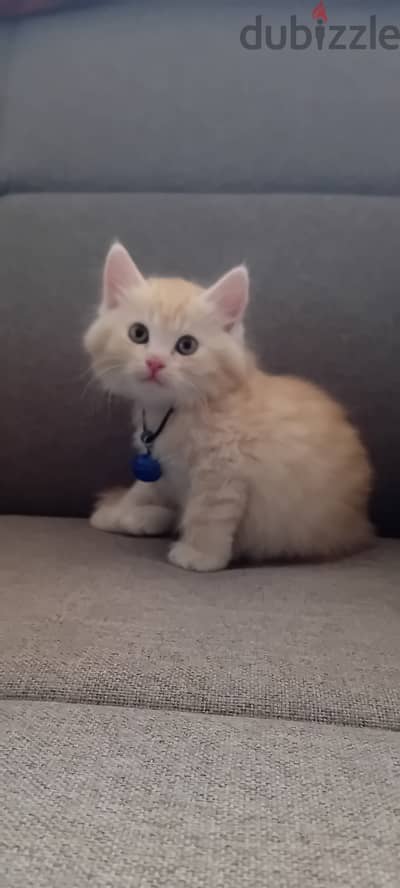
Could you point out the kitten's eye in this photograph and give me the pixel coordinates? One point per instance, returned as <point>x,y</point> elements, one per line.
<point>187,345</point>
<point>138,333</point>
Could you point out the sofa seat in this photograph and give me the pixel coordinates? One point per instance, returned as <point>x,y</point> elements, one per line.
<point>118,796</point>
<point>93,618</point>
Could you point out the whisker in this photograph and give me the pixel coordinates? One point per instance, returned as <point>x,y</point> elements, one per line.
<point>96,378</point>
<point>88,371</point>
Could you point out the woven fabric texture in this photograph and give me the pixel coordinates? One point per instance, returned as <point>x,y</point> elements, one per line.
<point>91,617</point>
<point>113,796</point>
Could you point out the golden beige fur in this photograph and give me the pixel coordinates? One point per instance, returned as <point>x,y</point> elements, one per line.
<point>255,466</point>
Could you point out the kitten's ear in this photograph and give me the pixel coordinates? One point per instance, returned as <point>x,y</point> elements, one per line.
<point>119,275</point>
<point>230,295</point>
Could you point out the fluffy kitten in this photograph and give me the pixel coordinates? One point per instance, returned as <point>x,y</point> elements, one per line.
<point>254,466</point>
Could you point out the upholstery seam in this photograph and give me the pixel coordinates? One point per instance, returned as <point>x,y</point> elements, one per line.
<point>71,700</point>
<point>11,192</point>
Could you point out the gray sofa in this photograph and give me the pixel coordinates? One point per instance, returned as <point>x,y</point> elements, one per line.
<point>161,728</point>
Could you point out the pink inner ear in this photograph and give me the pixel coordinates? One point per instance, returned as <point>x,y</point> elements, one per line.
<point>119,276</point>
<point>230,295</point>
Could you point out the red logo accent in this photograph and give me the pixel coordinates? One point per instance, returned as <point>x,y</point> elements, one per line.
<point>320,12</point>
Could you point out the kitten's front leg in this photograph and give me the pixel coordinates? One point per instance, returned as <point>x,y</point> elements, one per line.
<point>210,520</point>
<point>141,510</point>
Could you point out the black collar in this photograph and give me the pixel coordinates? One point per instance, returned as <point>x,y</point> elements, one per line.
<point>148,437</point>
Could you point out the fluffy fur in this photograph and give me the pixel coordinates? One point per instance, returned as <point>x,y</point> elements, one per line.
<point>254,466</point>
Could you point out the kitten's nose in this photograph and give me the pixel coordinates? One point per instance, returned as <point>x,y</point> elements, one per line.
<point>155,365</point>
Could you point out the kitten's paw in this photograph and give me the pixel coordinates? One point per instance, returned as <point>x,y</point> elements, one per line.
<point>148,521</point>
<point>137,521</point>
<point>105,517</point>
<point>106,511</point>
<point>183,555</point>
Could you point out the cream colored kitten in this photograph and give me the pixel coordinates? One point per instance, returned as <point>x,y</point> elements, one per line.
<point>254,466</point>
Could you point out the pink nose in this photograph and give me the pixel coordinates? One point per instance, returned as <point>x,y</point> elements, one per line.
<point>155,365</point>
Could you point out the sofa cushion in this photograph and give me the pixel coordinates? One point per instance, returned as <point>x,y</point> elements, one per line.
<point>133,799</point>
<point>88,617</point>
<point>154,96</point>
<point>321,307</point>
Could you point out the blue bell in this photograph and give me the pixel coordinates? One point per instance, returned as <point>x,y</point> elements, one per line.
<point>146,468</point>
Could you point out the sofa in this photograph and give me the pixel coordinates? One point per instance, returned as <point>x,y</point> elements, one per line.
<point>161,727</point>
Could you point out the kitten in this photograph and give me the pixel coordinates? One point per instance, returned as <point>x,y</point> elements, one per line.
<point>254,466</point>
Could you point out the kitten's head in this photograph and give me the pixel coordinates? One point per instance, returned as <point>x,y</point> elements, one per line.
<point>165,340</point>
